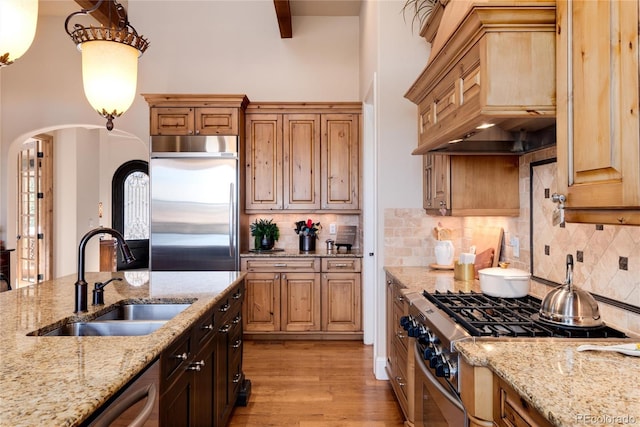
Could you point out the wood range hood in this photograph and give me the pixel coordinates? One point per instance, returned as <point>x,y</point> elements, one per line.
<point>496,68</point>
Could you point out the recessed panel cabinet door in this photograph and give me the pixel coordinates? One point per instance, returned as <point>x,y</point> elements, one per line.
<point>300,296</point>
<point>597,116</point>
<point>301,161</point>
<point>261,308</point>
<point>340,166</point>
<point>264,161</point>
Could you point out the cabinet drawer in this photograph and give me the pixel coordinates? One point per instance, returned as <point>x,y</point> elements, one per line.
<point>511,410</point>
<point>174,359</point>
<point>280,264</point>
<point>340,264</point>
<point>203,329</point>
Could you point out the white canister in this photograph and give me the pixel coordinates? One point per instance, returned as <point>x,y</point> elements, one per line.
<point>444,252</point>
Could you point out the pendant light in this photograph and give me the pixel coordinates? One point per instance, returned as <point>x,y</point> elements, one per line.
<point>109,60</point>
<point>18,21</point>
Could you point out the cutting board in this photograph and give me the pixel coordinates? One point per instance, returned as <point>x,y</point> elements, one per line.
<point>488,237</point>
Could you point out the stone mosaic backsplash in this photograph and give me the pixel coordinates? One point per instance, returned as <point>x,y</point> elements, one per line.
<point>605,250</point>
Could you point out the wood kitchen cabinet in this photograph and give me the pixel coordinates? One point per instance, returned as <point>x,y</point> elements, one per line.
<point>400,359</point>
<point>181,114</point>
<point>201,371</point>
<point>478,76</point>
<point>300,158</point>
<point>303,297</point>
<point>598,126</point>
<point>341,295</point>
<point>460,185</point>
<point>490,401</point>
<point>283,294</point>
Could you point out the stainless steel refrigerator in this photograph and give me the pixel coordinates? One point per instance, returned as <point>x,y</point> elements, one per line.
<point>194,203</point>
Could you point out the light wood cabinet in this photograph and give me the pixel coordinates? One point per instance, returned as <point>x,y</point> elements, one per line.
<point>290,297</point>
<point>300,158</point>
<point>510,409</point>
<point>471,185</point>
<point>182,114</point>
<point>341,295</point>
<point>598,127</point>
<point>478,75</point>
<point>400,358</point>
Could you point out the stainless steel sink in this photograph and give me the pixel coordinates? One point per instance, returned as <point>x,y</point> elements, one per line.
<point>107,328</point>
<point>143,311</point>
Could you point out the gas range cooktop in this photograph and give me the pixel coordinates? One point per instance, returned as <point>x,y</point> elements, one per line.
<point>482,315</point>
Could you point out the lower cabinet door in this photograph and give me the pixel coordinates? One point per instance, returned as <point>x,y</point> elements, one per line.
<point>176,404</point>
<point>341,304</point>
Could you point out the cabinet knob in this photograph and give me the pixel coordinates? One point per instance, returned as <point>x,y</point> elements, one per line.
<point>284,277</point>
<point>196,366</point>
<point>198,132</point>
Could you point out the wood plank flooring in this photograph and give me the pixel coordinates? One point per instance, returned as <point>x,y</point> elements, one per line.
<point>315,384</point>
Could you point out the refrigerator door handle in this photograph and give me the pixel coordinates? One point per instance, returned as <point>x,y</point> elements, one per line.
<point>232,222</point>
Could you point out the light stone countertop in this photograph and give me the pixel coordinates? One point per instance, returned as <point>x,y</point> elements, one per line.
<point>567,387</point>
<point>60,381</point>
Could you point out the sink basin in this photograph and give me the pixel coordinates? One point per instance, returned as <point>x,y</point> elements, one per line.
<point>143,311</point>
<point>107,328</point>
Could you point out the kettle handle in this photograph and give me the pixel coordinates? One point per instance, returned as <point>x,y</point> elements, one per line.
<point>569,279</point>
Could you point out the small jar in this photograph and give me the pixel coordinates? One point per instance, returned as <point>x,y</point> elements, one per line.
<point>329,245</point>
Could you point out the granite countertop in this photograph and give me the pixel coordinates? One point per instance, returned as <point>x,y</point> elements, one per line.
<point>60,381</point>
<point>290,253</point>
<point>567,387</point>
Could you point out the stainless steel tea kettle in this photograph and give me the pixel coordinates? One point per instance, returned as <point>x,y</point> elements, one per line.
<point>567,305</point>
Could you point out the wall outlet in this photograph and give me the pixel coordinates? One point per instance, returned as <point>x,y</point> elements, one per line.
<point>332,229</point>
<point>515,244</point>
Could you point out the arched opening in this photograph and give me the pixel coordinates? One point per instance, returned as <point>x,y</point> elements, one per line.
<point>130,210</point>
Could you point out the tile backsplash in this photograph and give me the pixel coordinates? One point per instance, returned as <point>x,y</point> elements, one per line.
<point>610,255</point>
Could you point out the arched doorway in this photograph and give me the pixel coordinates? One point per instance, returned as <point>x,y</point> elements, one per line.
<point>130,210</point>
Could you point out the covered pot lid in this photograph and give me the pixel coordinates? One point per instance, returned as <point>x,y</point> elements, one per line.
<point>504,272</point>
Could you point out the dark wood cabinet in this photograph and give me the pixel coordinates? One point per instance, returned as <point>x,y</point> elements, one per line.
<point>201,372</point>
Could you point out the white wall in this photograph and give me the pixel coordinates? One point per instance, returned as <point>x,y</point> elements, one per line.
<point>396,56</point>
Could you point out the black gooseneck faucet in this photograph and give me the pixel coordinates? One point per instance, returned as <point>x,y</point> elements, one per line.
<point>81,284</point>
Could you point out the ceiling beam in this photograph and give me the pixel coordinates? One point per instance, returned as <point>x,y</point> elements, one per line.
<point>102,13</point>
<point>283,12</point>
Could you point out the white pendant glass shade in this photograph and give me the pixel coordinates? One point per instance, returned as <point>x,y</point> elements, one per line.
<point>18,21</point>
<point>109,75</point>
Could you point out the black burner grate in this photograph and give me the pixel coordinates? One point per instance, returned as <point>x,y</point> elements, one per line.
<point>484,315</point>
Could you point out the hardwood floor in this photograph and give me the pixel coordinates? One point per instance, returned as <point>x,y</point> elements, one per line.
<point>315,384</point>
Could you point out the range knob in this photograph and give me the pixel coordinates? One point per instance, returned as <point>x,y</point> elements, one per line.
<point>443,369</point>
<point>428,352</point>
<point>405,321</point>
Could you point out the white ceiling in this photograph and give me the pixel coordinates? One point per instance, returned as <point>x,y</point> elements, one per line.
<point>298,7</point>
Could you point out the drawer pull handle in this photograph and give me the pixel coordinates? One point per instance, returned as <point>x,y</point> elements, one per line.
<point>280,264</point>
<point>183,356</point>
<point>341,265</point>
<point>224,329</point>
<point>224,308</point>
<point>236,319</point>
<point>208,327</point>
<point>236,378</point>
<point>196,366</point>
<point>400,383</point>
<point>400,299</point>
<point>237,295</point>
<point>400,335</point>
<point>236,344</point>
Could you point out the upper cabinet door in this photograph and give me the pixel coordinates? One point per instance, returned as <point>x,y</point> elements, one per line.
<point>216,121</point>
<point>263,161</point>
<point>172,121</point>
<point>301,161</point>
<point>597,118</point>
<point>340,161</point>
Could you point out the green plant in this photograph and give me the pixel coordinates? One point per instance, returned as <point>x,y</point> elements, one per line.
<point>419,10</point>
<point>265,228</point>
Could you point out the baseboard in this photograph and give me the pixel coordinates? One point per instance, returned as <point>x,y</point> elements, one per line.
<point>380,370</point>
<point>330,336</point>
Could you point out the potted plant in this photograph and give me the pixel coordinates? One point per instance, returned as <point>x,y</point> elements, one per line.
<point>265,232</point>
<point>419,10</point>
<point>308,232</point>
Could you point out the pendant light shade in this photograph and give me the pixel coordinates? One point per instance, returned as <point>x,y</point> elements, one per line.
<point>109,60</point>
<point>109,75</point>
<point>18,21</point>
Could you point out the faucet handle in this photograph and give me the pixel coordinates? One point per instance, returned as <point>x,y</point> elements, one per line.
<point>98,290</point>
